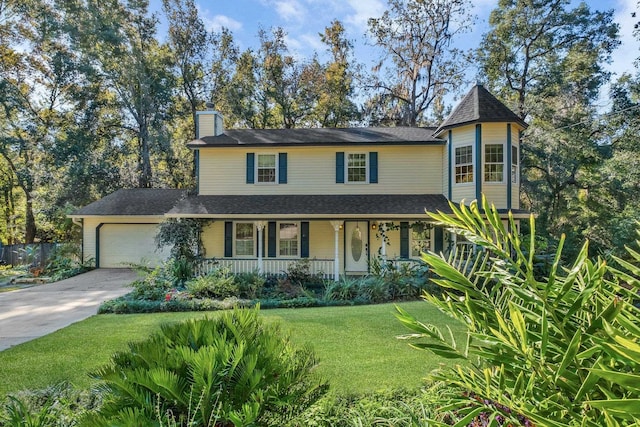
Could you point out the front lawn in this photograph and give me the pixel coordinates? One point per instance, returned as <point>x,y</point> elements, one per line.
<point>356,346</point>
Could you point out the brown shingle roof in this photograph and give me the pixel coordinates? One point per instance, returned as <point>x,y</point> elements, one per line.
<point>320,136</point>
<point>479,105</point>
<point>134,201</point>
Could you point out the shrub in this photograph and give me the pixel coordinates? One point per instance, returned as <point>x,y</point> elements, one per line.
<point>250,285</point>
<point>235,367</point>
<point>58,405</point>
<point>66,261</point>
<point>551,350</point>
<point>155,284</point>
<point>219,283</point>
<point>299,275</point>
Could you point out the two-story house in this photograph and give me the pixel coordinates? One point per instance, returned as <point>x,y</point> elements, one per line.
<point>335,196</point>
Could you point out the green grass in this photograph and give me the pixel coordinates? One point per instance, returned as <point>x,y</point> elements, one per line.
<point>357,346</point>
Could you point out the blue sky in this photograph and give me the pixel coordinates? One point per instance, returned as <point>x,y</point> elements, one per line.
<point>304,19</point>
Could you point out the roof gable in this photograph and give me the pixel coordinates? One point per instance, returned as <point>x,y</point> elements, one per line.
<point>479,106</point>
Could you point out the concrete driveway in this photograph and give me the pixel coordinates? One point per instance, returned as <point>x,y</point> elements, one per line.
<point>30,313</point>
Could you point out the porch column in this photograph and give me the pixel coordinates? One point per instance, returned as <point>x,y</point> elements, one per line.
<point>383,248</point>
<point>336,257</point>
<point>260,226</point>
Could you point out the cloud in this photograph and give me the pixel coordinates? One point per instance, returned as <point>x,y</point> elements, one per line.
<point>363,10</point>
<point>216,22</point>
<point>290,10</point>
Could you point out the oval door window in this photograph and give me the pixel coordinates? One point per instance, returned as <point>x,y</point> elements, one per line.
<point>356,244</point>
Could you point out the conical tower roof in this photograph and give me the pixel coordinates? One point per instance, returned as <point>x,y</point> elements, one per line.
<point>479,106</point>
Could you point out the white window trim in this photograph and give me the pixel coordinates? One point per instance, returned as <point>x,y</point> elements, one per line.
<point>297,223</point>
<point>503,163</point>
<point>517,165</point>
<point>473,164</point>
<point>346,168</point>
<point>411,240</point>
<point>277,167</point>
<point>235,240</point>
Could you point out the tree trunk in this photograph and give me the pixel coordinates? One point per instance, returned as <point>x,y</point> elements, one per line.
<point>29,219</point>
<point>144,158</point>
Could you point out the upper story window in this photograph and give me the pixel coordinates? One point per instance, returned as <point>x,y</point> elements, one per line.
<point>244,239</point>
<point>288,239</point>
<point>357,167</point>
<point>494,163</point>
<point>266,168</point>
<point>420,239</point>
<point>514,164</point>
<point>464,164</point>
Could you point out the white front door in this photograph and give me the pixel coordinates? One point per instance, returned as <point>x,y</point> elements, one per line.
<point>356,235</point>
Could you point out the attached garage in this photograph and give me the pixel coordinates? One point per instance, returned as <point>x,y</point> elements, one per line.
<point>121,245</point>
<point>120,229</point>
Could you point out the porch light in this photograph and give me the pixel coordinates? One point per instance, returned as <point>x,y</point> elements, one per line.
<point>374,225</point>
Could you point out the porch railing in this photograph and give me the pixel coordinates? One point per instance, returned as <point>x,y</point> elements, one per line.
<point>269,266</point>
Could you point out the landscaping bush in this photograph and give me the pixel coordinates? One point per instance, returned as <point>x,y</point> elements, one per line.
<point>66,261</point>
<point>219,283</point>
<point>233,369</point>
<point>155,284</point>
<point>250,285</point>
<point>58,405</point>
<point>554,350</point>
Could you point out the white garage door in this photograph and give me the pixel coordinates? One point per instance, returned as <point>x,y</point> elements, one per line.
<point>125,244</point>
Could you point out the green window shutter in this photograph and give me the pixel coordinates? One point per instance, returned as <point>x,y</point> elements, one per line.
<point>250,168</point>
<point>304,239</point>
<point>272,248</point>
<point>373,167</point>
<point>340,167</point>
<point>438,235</point>
<point>282,168</point>
<point>404,240</point>
<point>228,239</point>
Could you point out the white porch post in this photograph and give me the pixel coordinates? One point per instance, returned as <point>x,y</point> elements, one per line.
<point>383,248</point>
<point>336,257</point>
<point>260,226</point>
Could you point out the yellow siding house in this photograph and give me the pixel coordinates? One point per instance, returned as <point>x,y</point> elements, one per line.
<point>338,197</point>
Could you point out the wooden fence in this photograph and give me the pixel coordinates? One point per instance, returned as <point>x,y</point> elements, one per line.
<point>35,254</point>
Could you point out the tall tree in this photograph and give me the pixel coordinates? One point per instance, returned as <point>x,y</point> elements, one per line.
<point>189,47</point>
<point>534,48</point>
<point>335,106</point>
<point>417,37</point>
<point>37,77</point>
<point>119,42</point>
<point>547,61</point>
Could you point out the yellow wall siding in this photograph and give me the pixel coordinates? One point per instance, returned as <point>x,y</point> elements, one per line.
<point>445,169</point>
<point>213,240</point>
<point>496,194</point>
<point>206,124</point>
<point>311,170</point>
<point>322,241</point>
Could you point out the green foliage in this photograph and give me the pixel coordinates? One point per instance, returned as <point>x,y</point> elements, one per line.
<point>235,366</point>
<point>58,405</point>
<point>219,283</point>
<point>250,284</point>
<point>155,284</point>
<point>66,261</point>
<point>557,350</point>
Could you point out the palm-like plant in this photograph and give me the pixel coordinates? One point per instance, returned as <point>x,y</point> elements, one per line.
<point>558,349</point>
<point>222,371</point>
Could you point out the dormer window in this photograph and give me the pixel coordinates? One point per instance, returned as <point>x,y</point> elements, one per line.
<point>266,168</point>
